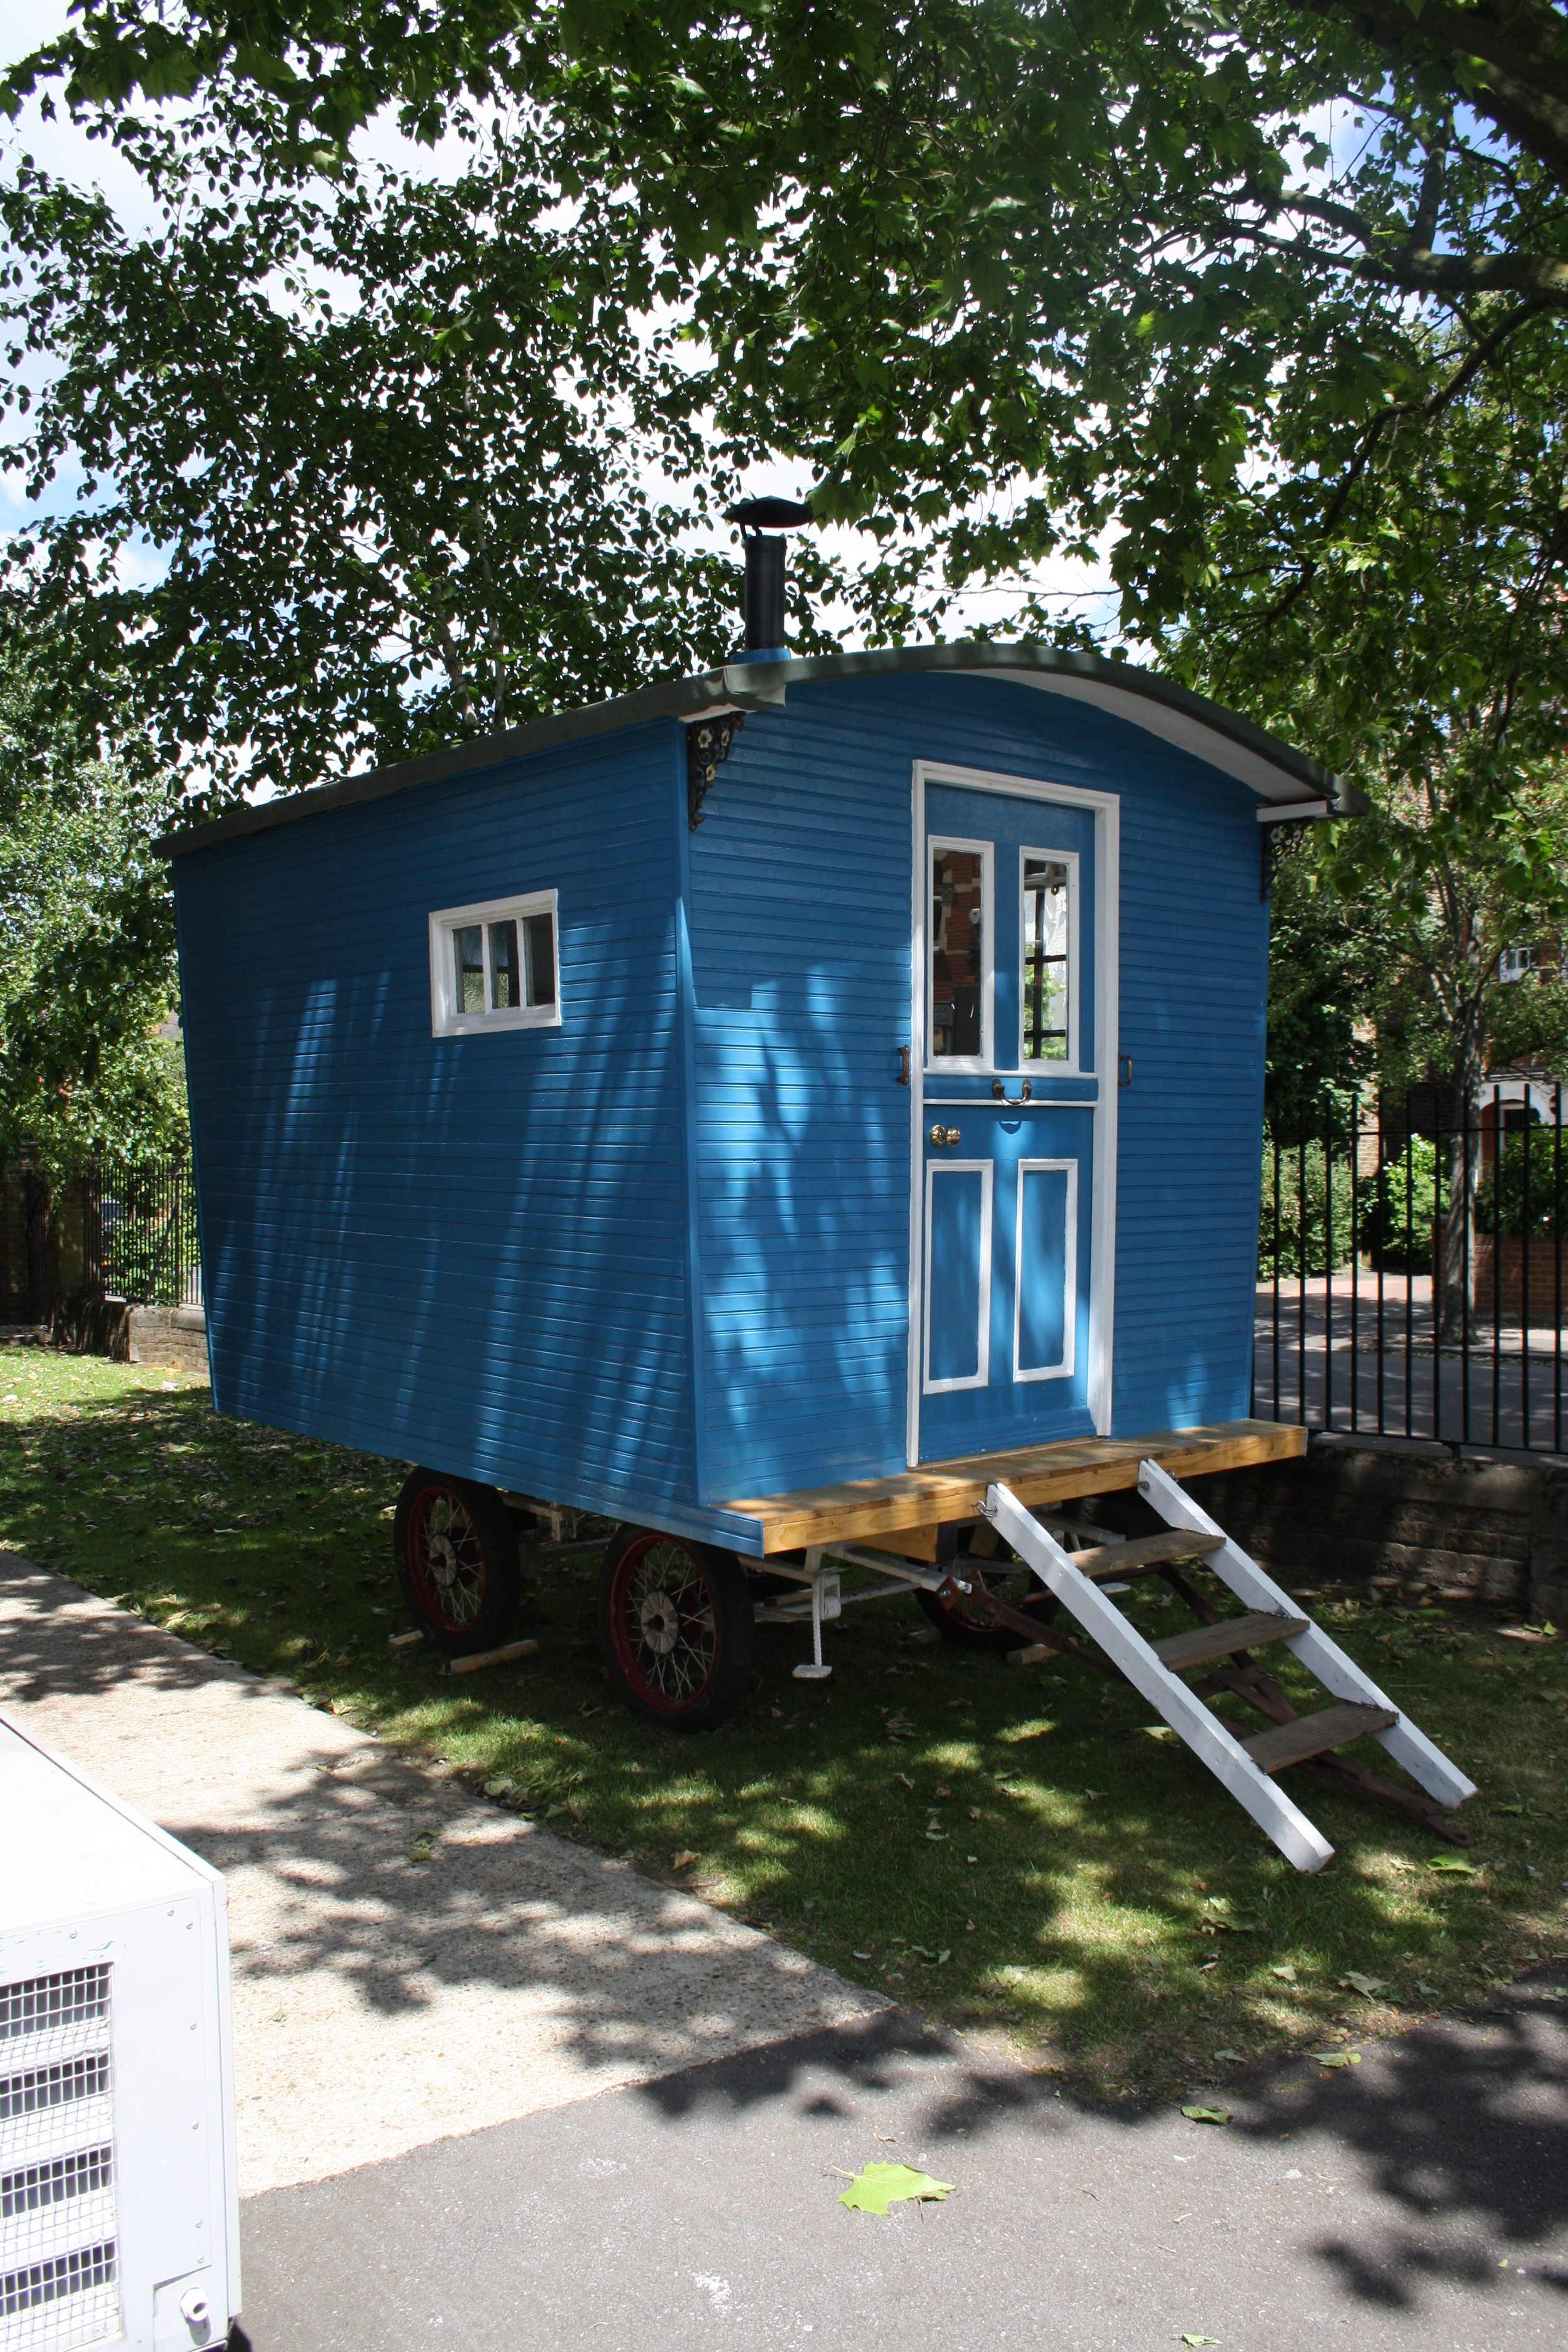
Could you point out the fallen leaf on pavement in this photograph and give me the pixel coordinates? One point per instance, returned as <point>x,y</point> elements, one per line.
<point>878,2186</point>
<point>1207,2115</point>
<point>1337,2057</point>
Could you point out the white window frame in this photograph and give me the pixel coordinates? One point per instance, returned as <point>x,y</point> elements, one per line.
<point>984,1062</point>
<point>447,1018</point>
<point>1072,1067</point>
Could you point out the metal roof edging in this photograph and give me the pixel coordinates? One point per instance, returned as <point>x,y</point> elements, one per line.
<point>762,686</point>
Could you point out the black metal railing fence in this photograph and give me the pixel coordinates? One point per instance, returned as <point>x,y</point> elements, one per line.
<point>115,1229</point>
<point>1411,1269</point>
<point>138,1232</point>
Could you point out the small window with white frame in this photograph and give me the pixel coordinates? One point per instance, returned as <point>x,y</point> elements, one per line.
<point>495,966</point>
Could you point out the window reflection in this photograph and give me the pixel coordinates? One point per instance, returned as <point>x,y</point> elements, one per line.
<point>1047,958</point>
<point>957,953</point>
<point>469,948</point>
<point>506,978</point>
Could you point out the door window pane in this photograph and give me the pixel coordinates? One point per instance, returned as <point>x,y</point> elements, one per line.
<point>1048,958</point>
<point>468,944</point>
<point>541,933</point>
<point>957,954</point>
<point>506,976</point>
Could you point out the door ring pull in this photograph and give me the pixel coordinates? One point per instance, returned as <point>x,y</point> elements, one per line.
<point>1001,1095</point>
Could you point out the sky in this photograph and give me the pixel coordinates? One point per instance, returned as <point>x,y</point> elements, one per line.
<point>65,151</point>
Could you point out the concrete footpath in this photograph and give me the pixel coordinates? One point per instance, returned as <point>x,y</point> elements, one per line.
<point>409,1960</point>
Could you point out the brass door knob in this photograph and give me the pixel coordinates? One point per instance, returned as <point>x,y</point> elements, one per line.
<point>941,1135</point>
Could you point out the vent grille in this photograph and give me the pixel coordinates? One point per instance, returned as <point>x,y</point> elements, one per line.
<point>41,2185</point>
<point>67,2300</point>
<point>43,2004</point>
<point>52,2087</point>
<point>39,2283</point>
<point>58,2262</point>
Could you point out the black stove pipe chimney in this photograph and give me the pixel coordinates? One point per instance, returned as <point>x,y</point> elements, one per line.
<point>764,592</point>
<point>765,567</point>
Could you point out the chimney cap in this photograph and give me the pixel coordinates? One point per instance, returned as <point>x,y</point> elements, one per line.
<point>769,514</point>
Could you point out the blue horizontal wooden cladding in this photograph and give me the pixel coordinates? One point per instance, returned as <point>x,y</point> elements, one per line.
<point>660,1257</point>
<point>469,1251</point>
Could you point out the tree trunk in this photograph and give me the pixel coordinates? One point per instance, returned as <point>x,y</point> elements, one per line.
<point>1456,1276</point>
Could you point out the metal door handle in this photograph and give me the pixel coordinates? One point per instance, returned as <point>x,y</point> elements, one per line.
<point>1001,1095</point>
<point>941,1135</point>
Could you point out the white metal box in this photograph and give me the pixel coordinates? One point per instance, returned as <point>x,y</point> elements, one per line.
<point>119,2210</point>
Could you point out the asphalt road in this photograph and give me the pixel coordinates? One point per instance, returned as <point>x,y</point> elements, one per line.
<point>1419,2198</point>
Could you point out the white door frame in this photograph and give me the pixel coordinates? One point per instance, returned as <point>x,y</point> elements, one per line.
<point>1106,808</point>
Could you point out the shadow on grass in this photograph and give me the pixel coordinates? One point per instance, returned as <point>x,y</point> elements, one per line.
<point>319,1833</point>
<point>1122,1907</point>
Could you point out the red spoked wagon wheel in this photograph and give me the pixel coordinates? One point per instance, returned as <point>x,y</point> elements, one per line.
<point>975,1628</point>
<point>456,1550</point>
<point>676,1628</point>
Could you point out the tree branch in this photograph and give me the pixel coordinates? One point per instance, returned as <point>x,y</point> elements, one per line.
<point>1521,42</point>
<point>1525,89</point>
<point>1543,278</point>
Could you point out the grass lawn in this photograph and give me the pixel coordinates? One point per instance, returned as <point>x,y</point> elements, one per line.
<point>1001,1847</point>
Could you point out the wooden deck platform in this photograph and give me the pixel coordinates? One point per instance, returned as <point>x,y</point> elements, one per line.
<point>904,1511</point>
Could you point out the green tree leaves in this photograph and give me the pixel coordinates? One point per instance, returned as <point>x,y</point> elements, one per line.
<point>86,944</point>
<point>396,461</point>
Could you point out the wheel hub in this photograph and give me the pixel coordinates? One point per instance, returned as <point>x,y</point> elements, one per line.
<point>443,1562</point>
<point>659,1622</point>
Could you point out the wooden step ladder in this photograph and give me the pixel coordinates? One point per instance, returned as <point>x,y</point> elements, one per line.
<point>1244,1767</point>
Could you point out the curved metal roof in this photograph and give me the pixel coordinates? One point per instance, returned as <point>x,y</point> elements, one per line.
<point>1280,776</point>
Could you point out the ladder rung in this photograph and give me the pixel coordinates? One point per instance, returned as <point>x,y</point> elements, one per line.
<point>1143,1553</point>
<point>1207,1642</point>
<point>1314,1735</point>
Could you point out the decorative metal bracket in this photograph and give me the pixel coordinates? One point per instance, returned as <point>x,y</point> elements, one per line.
<point>1270,847</point>
<point>708,745</point>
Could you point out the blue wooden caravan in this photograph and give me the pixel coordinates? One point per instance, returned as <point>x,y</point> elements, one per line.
<point>777,1081</point>
<point>808,1113</point>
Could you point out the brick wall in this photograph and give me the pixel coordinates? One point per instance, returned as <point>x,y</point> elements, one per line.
<point>1353,1511</point>
<point>172,1335</point>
